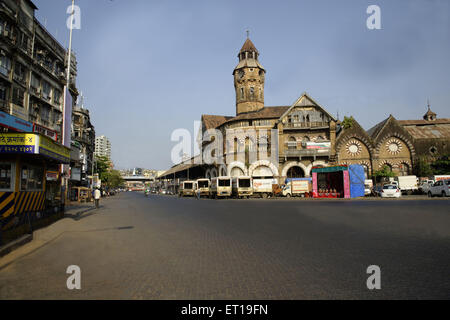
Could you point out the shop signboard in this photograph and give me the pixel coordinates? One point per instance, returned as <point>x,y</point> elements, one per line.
<point>53,150</point>
<point>45,131</point>
<point>14,123</point>
<point>318,145</point>
<point>33,144</point>
<point>67,117</point>
<point>18,143</point>
<point>75,174</point>
<point>52,175</point>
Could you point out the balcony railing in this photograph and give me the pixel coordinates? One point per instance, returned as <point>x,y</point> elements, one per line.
<point>306,125</point>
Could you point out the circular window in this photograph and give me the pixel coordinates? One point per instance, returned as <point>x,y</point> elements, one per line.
<point>353,147</point>
<point>394,146</point>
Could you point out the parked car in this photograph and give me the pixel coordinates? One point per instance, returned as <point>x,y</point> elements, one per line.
<point>440,188</point>
<point>425,186</point>
<point>376,190</point>
<point>391,191</point>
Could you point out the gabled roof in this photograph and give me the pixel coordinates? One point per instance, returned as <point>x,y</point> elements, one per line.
<point>214,121</point>
<point>424,122</point>
<point>311,103</point>
<point>264,113</point>
<point>376,129</point>
<point>424,129</point>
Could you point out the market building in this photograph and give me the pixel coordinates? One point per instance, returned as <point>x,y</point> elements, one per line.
<point>395,144</point>
<point>294,139</point>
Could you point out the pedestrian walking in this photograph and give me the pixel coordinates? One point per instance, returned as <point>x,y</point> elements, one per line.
<point>198,194</point>
<point>97,196</point>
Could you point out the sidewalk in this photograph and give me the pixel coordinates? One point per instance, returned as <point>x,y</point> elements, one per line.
<point>31,242</point>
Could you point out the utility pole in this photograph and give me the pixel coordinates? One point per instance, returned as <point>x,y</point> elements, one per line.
<point>65,180</point>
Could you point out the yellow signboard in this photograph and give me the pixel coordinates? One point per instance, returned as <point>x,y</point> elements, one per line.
<point>53,149</point>
<point>33,144</point>
<point>18,143</point>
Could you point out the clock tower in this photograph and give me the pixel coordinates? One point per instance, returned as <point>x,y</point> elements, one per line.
<point>249,78</point>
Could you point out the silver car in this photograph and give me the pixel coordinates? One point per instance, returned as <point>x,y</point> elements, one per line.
<point>440,188</point>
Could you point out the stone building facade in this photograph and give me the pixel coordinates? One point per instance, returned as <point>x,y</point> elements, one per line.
<point>83,135</point>
<point>305,133</point>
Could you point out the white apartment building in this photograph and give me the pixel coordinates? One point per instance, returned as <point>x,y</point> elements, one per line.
<point>103,147</point>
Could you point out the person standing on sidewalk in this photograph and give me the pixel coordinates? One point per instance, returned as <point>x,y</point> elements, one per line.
<point>97,196</point>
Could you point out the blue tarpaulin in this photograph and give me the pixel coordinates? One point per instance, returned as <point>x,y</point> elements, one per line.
<point>357,177</point>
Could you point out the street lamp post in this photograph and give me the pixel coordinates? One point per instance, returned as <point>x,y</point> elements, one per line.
<point>64,180</point>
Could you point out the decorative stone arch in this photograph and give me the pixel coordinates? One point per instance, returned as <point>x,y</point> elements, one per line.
<point>399,136</point>
<point>315,163</point>
<point>400,164</point>
<point>208,174</point>
<point>237,164</point>
<point>383,163</point>
<point>343,142</point>
<point>213,173</point>
<point>222,170</point>
<point>291,164</point>
<point>265,163</point>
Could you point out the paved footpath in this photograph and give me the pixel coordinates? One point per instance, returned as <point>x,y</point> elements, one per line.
<point>163,247</point>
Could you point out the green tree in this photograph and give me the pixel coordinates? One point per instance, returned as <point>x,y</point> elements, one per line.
<point>423,168</point>
<point>385,172</point>
<point>441,165</point>
<point>113,179</point>
<point>347,123</point>
<point>103,166</point>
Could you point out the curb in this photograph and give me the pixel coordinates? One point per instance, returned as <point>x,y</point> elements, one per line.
<point>16,244</point>
<point>13,245</point>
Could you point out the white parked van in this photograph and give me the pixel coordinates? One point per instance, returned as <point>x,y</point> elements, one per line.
<point>188,188</point>
<point>242,187</point>
<point>203,186</point>
<point>220,187</point>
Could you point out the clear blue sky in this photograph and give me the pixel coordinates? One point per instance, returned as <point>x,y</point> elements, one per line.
<point>149,67</point>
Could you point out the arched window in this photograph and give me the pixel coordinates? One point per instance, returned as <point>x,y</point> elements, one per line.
<point>252,92</point>
<point>292,143</point>
<point>403,169</point>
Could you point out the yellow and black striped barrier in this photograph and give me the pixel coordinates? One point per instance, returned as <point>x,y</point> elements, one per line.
<point>19,202</point>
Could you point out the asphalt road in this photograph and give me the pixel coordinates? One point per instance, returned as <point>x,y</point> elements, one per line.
<point>164,247</point>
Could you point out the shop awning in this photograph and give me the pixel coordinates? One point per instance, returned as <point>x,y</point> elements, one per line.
<point>329,169</point>
<point>32,143</point>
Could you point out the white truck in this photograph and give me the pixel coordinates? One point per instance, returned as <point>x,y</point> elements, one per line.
<point>220,187</point>
<point>297,187</point>
<point>263,187</point>
<point>407,184</point>
<point>203,186</point>
<point>188,188</point>
<point>440,177</point>
<point>242,187</point>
